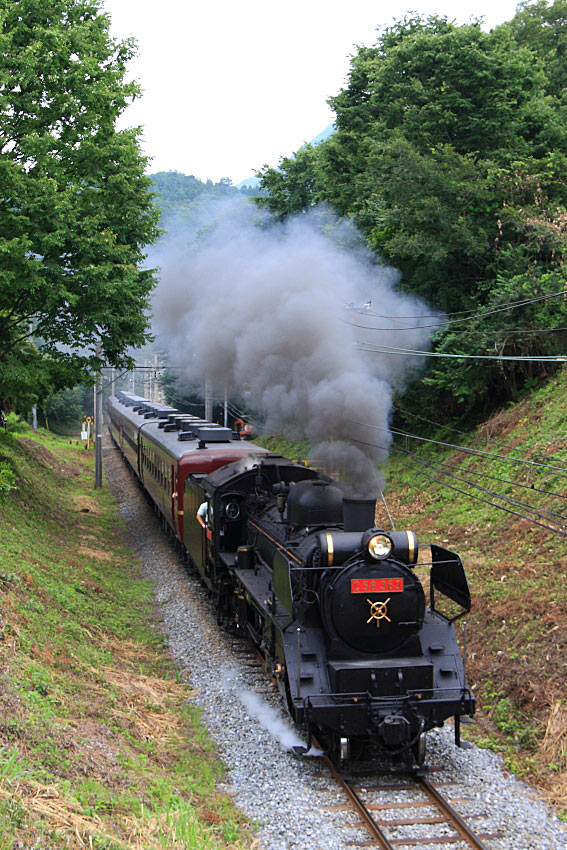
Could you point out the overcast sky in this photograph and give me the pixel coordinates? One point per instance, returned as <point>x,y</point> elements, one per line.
<point>232,84</point>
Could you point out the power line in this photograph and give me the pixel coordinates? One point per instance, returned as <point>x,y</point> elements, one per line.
<point>530,487</point>
<point>461,448</point>
<point>467,434</point>
<point>468,315</point>
<point>485,501</point>
<point>505,330</point>
<point>469,495</point>
<point>239,413</point>
<point>541,512</point>
<point>485,331</point>
<point>375,348</point>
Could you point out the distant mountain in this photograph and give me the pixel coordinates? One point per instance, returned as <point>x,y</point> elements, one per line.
<point>182,195</point>
<point>249,183</point>
<point>253,182</point>
<point>324,134</point>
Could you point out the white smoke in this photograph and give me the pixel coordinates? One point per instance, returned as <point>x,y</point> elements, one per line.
<point>262,308</point>
<point>271,719</point>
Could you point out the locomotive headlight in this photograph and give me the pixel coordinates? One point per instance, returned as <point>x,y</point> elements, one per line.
<point>379,546</point>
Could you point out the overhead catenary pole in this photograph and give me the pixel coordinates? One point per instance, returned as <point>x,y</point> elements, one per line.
<point>98,421</point>
<point>34,408</point>
<point>208,400</point>
<point>155,396</point>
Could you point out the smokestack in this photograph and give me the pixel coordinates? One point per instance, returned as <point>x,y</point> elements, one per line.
<point>359,514</point>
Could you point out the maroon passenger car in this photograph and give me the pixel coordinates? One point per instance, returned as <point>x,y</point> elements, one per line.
<point>169,451</point>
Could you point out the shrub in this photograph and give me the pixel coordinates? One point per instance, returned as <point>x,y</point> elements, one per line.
<point>8,480</point>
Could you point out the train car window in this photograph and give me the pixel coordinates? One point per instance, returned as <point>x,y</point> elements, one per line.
<point>232,532</point>
<point>232,510</point>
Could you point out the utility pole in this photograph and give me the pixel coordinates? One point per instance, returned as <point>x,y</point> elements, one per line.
<point>34,408</point>
<point>225,422</point>
<point>155,396</point>
<point>208,400</point>
<point>98,421</point>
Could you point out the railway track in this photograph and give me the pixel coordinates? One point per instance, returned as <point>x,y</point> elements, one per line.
<point>391,808</point>
<point>398,814</point>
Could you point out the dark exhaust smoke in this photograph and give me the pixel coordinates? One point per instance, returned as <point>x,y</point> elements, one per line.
<point>274,312</point>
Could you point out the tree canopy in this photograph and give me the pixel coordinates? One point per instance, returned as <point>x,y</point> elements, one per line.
<point>450,156</point>
<point>75,206</point>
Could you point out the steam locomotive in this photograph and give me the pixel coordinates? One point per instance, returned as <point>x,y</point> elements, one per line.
<point>332,602</point>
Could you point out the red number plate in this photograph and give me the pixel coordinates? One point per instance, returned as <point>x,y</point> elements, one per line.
<point>376,585</point>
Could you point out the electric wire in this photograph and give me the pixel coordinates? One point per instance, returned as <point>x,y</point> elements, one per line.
<point>541,512</point>
<point>239,413</point>
<point>388,510</point>
<point>376,348</point>
<point>472,314</point>
<point>465,493</point>
<point>544,514</point>
<point>178,400</point>
<point>107,381</point>
<point>468,435</point>
<point>465,449</point>
<point>530,487</point>
<point>485,331</point>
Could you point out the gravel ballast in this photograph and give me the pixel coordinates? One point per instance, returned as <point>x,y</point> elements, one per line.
<point>292,799</point>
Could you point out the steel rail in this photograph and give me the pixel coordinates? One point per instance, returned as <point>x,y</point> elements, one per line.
<point>361,809</point>
<point>452,816</point>
<point>449,815</point>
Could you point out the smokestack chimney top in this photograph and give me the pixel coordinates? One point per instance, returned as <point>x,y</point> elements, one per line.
<point>359,514</point>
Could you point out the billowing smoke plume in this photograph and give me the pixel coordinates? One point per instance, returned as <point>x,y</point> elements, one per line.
<point>277,311</point>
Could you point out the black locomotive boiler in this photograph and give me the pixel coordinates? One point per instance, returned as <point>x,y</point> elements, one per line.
<point>362,660</point>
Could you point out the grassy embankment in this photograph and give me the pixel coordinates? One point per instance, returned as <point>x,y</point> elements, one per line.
<point>99,743</point>
<point>517,630</point>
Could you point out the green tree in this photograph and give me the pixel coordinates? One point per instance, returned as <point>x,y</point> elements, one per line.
<point>75,207</point>
<point>450,155</point>
<point>290,188</point>
<point>433,215</point>
<point>437,83</point>
<point>542,26</point>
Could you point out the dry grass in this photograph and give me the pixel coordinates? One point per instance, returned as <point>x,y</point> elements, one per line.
<point>99,554</point>
<point>86,505</point>
<point>144,705</point>
<point>64,814</point>
<point>554,749</point>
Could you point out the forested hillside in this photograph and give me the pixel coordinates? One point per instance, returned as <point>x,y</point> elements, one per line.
<point>451,156</point>
<point>182,196</point>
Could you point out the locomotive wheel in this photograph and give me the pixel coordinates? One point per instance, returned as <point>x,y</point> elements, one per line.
<point>338,749</point>
<point>419,749</point>
<point>344,752</point>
